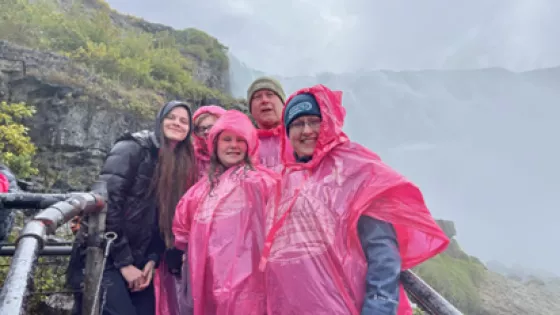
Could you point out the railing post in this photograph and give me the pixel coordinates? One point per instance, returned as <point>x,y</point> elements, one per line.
<point>16,284</point>
<point>94,256</point>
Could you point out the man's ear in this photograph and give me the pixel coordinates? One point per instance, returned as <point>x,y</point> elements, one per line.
<point>280,109</point>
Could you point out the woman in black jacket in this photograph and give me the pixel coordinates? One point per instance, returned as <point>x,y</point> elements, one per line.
<point>146,173</point>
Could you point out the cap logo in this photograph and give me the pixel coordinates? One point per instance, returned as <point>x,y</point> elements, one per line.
<point>298,108</point>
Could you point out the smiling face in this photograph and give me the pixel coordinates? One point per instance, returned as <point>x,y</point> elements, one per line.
<point>266,108</point>
<point>176,124</point>
<point>204,125</point>
<point>231,148</point>
<point>304,132</point>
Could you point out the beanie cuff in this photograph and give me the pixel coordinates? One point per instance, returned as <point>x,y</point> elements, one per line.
<point>265,84</point>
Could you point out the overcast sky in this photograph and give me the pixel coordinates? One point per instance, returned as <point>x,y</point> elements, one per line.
<point>301,37</point>
<point>308,36</point>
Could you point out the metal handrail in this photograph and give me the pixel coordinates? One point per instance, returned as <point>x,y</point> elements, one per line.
<point>11,201</point>
<point>47,250</point>
<point>427,298</point>
<point>31,244</point>
<point>32,240</point>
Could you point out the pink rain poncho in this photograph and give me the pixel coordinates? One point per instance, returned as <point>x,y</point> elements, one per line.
<point>224,230</point>
<point>171,291</point>
<point>270,147</point>
<point>199,143</point>
<point>4,184</point>
<point>313,259</point>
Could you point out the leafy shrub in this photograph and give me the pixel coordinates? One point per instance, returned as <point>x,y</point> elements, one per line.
<point>16,148</point>
<point>163,61</point>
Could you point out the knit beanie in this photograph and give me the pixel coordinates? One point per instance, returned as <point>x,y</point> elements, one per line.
<point>265,83</point>
<point>300,105</point>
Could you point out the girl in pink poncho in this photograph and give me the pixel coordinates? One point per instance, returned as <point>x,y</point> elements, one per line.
<point>221,219</point>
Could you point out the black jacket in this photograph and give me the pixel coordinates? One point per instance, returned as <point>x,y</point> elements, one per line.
<point>132,206</point>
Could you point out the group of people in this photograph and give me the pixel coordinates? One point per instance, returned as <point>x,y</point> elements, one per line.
<point>217,216</point>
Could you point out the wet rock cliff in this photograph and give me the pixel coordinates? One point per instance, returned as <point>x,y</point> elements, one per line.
<point>75,124</point>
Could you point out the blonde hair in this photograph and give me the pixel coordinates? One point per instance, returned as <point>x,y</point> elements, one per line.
<point>200,118</point>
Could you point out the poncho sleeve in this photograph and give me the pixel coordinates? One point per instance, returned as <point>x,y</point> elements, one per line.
<point>183,216</point>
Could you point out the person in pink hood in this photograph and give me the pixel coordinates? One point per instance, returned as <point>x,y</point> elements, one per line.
<point>266,101</point>
<point>204,118</point>
<point>221,219</point>
<point>346,224</point>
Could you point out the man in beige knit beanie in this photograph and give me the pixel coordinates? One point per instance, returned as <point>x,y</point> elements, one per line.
<point>266,101</point>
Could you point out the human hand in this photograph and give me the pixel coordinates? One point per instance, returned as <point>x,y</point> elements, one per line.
<point>147,275</point>
<point>133,277</point>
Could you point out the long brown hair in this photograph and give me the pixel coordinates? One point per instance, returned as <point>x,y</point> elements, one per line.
<point>216,167</point>
<point>175,173</point>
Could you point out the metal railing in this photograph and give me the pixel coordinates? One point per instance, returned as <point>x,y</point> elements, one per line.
<point>49,291</point>
<point>427,298</point>
<point>59,209</point>
<point>47,250</point>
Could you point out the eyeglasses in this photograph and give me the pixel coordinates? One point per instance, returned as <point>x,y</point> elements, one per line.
<point>200,130</point>
<point>300,125</point>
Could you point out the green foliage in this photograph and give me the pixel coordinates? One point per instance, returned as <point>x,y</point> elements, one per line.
<point>456,279</point>
<point>204,47</point>
<point>16,148</point>
<point>455,251</point>
<point>163,62</point>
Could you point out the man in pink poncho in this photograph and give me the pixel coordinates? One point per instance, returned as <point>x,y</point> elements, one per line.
<point>266,100</point>
<point>346,224</point>
<point>221,219</point>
